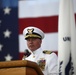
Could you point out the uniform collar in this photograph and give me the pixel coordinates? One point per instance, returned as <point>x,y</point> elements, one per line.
<point>37,51</point>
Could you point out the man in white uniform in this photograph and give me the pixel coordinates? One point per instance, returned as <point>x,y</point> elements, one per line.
<point>46,60</point>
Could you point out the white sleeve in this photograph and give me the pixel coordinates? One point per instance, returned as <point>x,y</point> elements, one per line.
<point>53,64</point>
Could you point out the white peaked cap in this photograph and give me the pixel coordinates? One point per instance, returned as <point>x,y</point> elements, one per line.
<point>33,32</point>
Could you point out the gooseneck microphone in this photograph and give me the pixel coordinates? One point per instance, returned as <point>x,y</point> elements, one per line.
<point>27,53</point>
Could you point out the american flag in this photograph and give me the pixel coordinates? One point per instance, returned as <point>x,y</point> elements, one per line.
<point>9,30</point>
<point>16,15</point>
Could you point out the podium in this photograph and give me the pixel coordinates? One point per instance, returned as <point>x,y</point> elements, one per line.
<point>19,67</point>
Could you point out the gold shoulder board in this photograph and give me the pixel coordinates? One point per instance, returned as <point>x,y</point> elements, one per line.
<point>47,52</point>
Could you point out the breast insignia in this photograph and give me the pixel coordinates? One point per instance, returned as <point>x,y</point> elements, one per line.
<point>41,64</point>
<point>47,52</point>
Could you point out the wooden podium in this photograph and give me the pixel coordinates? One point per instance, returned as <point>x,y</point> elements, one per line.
<point>19,67</point>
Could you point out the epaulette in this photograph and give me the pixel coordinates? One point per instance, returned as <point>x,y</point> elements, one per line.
<point>47,52</point>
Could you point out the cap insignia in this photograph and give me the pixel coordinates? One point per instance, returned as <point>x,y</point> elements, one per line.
<point>30,31</point>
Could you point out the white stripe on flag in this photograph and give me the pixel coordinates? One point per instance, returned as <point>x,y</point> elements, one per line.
<point>38,8</point>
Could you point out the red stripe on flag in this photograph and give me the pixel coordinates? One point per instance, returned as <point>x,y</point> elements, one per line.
<point>47,24</point>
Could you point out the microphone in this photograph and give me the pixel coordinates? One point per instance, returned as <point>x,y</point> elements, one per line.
<point>27,53</point>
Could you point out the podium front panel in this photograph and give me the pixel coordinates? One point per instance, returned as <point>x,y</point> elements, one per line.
<point>19,67</point>
<point>13,71</point>
<point>18,71</point>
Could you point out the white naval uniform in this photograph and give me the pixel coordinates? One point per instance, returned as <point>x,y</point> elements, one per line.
<point>50,59</point>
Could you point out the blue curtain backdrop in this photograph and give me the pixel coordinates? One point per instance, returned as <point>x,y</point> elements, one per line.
<point>9,30</point>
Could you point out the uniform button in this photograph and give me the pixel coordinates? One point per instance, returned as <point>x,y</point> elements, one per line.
<point>33,56</point>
